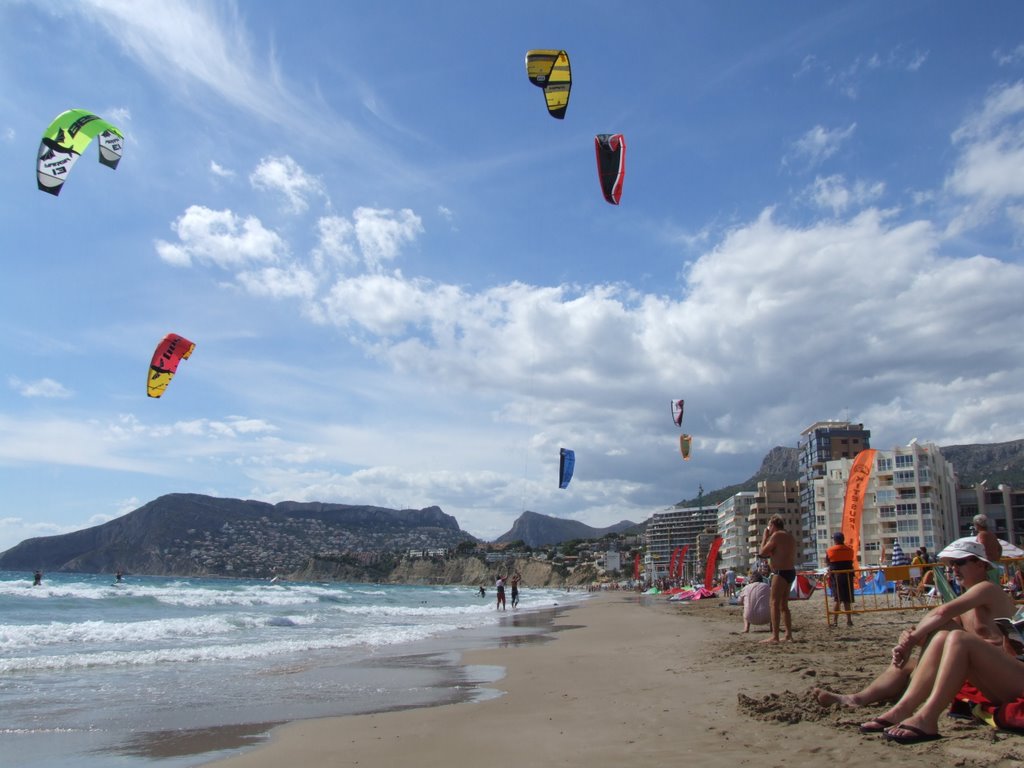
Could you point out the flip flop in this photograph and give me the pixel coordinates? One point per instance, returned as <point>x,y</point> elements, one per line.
<point>918,736</point>
<point>877,725</point>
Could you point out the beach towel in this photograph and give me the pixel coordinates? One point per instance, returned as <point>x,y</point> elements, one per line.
<point>1005,717</point>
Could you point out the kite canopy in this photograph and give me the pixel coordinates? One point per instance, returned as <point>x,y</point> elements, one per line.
<point>169,352</point>
<point>677,412</point>
<point>550,70</point>
<point>611,164</point>
<point>684,446</point>
<point>566,462</point>
<point>66,139</point>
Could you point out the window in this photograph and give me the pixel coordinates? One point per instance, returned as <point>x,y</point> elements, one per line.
<point>903,476</point>
<point>905,461</point>
<point>884,465</point>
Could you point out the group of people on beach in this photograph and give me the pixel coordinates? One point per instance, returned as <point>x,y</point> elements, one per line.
<point>965,655</point>
<point>499,585</point>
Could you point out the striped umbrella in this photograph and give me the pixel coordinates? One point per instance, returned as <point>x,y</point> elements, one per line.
<point>899,557</point>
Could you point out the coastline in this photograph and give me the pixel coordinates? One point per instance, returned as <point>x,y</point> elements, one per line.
<point>642,680</point>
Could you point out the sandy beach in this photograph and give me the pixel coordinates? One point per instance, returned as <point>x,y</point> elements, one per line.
<point>637,680</point>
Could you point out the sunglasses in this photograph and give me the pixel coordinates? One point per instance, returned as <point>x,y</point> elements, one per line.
<point>963,561</point>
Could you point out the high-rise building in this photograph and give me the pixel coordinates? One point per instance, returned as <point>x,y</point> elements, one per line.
<point>911,496</point>
<point>773,497</point>
<point>822,442</point>
<point>674,528</point>
<point>732,527</point>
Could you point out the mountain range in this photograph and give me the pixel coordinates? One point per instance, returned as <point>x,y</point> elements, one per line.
<point>191,534</point>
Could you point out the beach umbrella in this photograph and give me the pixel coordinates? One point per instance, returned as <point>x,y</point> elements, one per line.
<point>899,557</point>
<point>1010,551</point>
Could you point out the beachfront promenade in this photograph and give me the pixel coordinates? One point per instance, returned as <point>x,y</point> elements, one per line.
<point>639,681</point>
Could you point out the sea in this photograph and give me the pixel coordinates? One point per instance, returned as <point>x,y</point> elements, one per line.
<point>172,672</point>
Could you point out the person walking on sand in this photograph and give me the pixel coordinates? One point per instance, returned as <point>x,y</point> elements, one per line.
<point>500,586</point>
<point>779,547</point>
<point>974,611</point>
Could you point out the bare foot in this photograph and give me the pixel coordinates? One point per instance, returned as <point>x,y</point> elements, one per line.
<point>827,698</point>
<point>773,640</point>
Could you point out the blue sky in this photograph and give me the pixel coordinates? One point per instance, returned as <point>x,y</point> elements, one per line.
<point>406,289</point>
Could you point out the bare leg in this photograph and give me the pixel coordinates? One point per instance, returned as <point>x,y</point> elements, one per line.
<point>921,682</point>
<point>787,619</point>
<point>887,686</point>
<point>779,590</point>
<point>966,657</point>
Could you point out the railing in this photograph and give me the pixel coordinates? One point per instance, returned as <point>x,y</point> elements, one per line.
<point>879,589</point>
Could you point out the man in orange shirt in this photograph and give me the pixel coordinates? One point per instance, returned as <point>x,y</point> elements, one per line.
<point>839,557</point>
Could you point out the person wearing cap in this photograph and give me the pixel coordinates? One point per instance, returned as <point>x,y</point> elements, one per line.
<point>839,559</point>
<point>974,612</point>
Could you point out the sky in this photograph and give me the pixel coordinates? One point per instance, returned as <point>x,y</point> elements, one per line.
<point>406,289</point>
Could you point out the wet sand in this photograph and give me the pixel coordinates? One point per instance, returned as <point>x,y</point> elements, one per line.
<point>642,681</point>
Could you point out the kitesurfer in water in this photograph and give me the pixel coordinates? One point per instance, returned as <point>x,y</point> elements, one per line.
<point>483,592</point>
<point>37,579</point>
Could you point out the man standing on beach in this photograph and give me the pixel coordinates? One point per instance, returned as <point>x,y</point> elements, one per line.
<point>500,586</point>
<point>839,558</point>
<point>779,547</point>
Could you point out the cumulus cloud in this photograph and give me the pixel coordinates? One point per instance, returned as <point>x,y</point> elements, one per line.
<point>220,238</point>
<point>45,388</point>
<point>285,176</point>
<point>381,233</point>
<point>989,172</point>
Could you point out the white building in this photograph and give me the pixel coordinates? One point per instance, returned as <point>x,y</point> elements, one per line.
<point>732,527</point>
<point>911,496</point>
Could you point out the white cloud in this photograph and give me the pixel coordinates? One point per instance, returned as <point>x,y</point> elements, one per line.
<point>820,143</point>
<point>220,238</point>
<point>989,172</point>
<point>335,243</point>
<point>833,192</point>
<point>218,170</point>
<point>1008,58</point>
<point>284,175</point>
<point>382,232</point>
<point>45,388</point>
